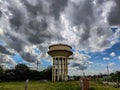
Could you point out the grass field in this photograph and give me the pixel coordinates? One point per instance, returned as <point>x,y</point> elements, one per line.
<point>36,85</point>
<point>96,86</point>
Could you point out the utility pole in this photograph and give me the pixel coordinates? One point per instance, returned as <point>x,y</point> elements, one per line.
<point>37,63</point>
<point>107,70</point>
<point>108,73</point>
<point>84,74</point>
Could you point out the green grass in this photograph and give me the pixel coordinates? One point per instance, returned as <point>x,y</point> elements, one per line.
<point>96,86</point>
<point>36,85</point>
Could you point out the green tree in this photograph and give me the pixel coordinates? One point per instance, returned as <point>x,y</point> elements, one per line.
<point>21,72</point>
<point>47,73</point>
<point>9,75</point>
<point>1,73</point>
<point>35,75</point>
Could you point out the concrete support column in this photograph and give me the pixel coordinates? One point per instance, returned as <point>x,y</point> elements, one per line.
<point>52,73</point>
<point>66,69</point>
<point>58,70</point>
<point>54,70</point>
<point>62,70</point>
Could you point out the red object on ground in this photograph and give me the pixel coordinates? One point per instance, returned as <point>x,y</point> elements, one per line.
<point>84,83</point>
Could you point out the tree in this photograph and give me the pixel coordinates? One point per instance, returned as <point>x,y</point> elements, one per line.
<point>21,72</point>
<point>35,75</point>
<point>116,76</point>
<point>1,72</point>
<point>9,75</point>
<point>47,73</point>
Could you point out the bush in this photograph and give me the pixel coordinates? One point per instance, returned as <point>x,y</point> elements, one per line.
<point>91,88</point>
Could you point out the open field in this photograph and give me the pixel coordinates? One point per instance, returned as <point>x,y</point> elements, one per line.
<point>36,85</point>
<point>97,86</point>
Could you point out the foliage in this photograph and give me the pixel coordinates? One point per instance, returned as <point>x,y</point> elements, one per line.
<point>47,73</point>
<point>9,75</point>
<point>115,76</point>
<point>22,72</point>
<point>1,73</point>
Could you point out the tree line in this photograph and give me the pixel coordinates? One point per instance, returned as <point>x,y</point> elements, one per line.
<point>112,77</point>
<point>22,72</point>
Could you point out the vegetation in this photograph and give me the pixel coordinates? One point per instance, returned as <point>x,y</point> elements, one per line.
<point>97,86</point>
<point>1,73</point>
<point>115,76</point>
<point>36,85</point>
<point>22,72</point>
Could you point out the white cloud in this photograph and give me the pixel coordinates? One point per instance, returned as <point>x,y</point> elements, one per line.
<point>119,57</point>
<point>6,61</point>
<point>111,64</point>
<point>80,61</point>
<point>90,62</point>
<point>113,54</point>
<point>106,58</point>
<point>100,64</point>
<point>1,31</point>
<point>81,57</point>
<point>31,53</point>
<point>116,35</point>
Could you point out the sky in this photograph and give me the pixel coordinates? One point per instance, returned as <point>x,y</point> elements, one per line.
<point>90,27</point>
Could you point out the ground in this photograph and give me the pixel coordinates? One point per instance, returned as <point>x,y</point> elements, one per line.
<point>36,85</point>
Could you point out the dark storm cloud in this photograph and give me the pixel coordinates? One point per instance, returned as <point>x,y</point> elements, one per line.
<point>79,66</point>
<point>82,67</point>
<point>4,50</point>
<point>29,25</point>
<point>39,34</point>
<point>35,25</point>
<point>114,15</point>
<point>18,45</point>
<point>17,19</point>
<point>82,13</point>
<point>36,9</point>
<point>0,13</point>
<point>57,7</point>
<point>6,59</point>
<point>42,22</point>
<point>100,1</point>
<point>28,57</point>
<point>15,42</point>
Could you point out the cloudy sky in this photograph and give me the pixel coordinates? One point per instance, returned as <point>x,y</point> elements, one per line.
<point>91,27</point>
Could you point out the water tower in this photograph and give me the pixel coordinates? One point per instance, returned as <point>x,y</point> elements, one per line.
<point>60,54</point>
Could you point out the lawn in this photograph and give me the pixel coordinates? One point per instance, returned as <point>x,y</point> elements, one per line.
<point>36,85</point>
